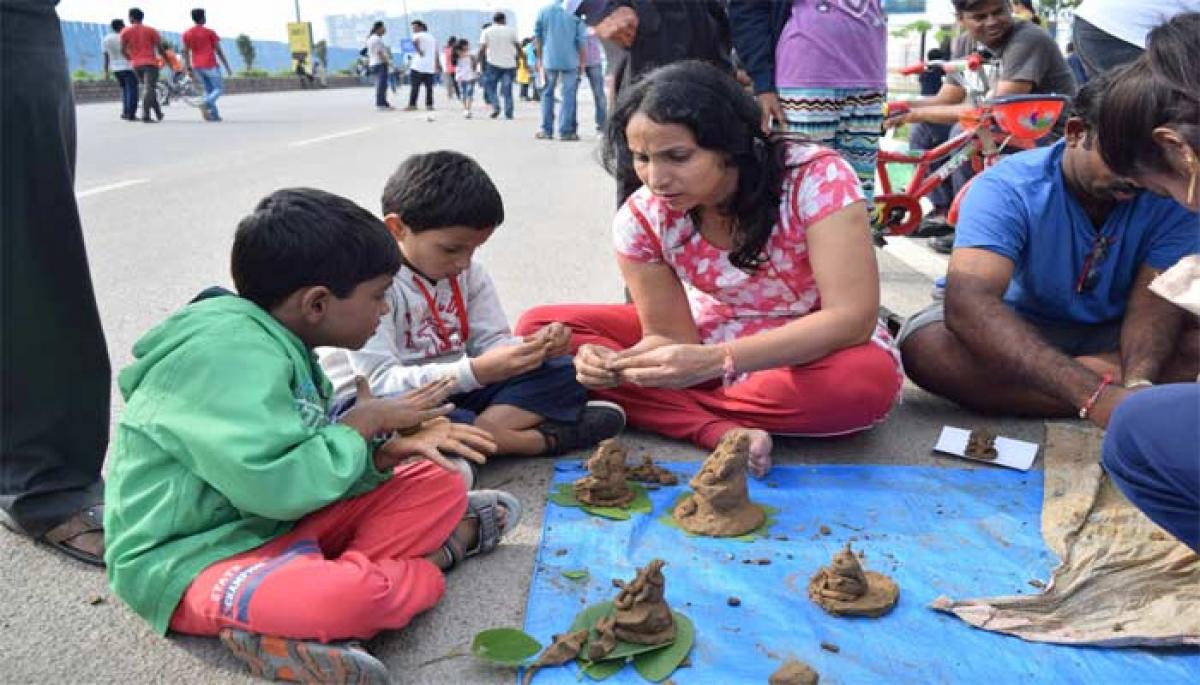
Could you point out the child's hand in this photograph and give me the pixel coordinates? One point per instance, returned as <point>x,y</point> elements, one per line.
<point>502,363</point>
<point>372,416</point>
<point>556,336</point>
<point>436,440</point>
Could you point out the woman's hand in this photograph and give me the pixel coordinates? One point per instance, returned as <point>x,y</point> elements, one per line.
<point>591,367</point>
<point>556,336</point>
<point>437,440</point>
<point>669,366</point>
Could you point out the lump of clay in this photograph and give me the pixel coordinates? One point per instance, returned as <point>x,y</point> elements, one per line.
<point>981,445</point>
<point>605,485</point>
<point>649,472</point>
<point>794,672</point>
<point>720,505</point>
<point>605,640</point>
<point>564,648</point>
<point>844,589</point>
<point>642,615</point>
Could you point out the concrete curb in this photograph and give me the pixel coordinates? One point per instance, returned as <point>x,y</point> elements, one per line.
<point>102,91</point>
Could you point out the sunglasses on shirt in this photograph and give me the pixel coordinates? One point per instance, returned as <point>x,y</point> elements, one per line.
<point>1089,275</point>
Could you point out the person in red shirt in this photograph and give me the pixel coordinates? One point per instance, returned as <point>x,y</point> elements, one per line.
<point>142,45</point>
<point>201,48</point>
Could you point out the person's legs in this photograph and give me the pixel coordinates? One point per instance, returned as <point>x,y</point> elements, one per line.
<point>347,571</point>
<point>506,90</point>
<point>489,85</point>
<point>567,123</point>
<point>212,89</point>
<point>428,78</point>
<point>812,112</point>
<point>858,134</point>
<point>143,74</point>
<point>935,359</point>
<point>1100,51</point>
<point>595,77</point>
<point>52,442</point>
<point>548,103</point>
<point>414,84</point>
<point>1150,452</point>
<point>129,93</point>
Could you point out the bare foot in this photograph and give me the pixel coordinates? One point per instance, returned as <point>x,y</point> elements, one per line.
<point>760,452</point>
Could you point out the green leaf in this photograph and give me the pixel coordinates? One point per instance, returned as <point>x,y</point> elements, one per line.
<point>576,575</point>
<point>641,502</point>
<point>614,513</point>
<point>602,670</point>
<point>658,665</point>
<point>507,646</point>
<point>590,614</point>
<point>564,496</point>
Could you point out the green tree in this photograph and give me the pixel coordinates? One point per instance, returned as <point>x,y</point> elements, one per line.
<point>245,46</point>
<point>919,26</point>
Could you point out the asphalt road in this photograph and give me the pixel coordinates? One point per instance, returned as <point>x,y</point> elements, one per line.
<point>160,204</point>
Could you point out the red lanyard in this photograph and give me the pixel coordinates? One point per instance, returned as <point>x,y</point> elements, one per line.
<point>444,333</point>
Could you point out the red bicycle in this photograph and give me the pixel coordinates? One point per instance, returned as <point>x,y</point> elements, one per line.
<point>987,130</point>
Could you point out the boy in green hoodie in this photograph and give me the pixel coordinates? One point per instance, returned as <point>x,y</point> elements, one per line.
<point>235,508</point>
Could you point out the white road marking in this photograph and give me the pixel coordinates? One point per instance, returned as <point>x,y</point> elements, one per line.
<point>917,255</point>
<point>112,186</point>
<point>331,136</point>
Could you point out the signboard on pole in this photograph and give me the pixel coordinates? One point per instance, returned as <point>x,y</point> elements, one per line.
<point>300,43</point>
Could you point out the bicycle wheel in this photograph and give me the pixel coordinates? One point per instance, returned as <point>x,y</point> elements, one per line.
<point>163,93</point>
<point>190,93</point>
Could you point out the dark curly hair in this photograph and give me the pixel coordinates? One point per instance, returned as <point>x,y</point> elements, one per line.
<point>723,118</point>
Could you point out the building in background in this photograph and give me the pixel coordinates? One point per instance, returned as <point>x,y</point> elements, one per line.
<point>350,30</point>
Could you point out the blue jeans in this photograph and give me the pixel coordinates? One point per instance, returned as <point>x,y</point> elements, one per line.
<point>495,76</point>
<point>213,87</point>
<point>381,84</point>
<point>595,78</point>
<point>1150,453</point>
<point>129,92</point>
<point>566,118</point>
<point>488,84</point>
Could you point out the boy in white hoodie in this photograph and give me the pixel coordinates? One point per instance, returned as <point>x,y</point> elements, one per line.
<point>445,320</point>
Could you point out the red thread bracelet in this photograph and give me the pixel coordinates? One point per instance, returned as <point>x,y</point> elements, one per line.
<point>1086,409</point>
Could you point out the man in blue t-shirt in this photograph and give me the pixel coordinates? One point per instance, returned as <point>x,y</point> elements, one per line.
<point>1047,287</point>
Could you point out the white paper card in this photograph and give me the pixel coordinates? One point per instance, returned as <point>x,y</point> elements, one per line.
<point>1015,454</point>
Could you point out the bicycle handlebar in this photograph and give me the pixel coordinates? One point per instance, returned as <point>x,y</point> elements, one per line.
<point>973,62</point>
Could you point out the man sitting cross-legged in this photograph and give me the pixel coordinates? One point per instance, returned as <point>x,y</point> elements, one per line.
<point>1047,294</point>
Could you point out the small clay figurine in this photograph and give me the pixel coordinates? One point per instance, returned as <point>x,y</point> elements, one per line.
<point>720,505</point>
<point>649,472</point>
<point>605,485</point>
<point>794,672</point>
<point>642,615</point>
<point>981,445</point>
<point>844,589</point>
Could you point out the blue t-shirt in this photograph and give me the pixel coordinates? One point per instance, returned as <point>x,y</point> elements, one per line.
<point>562,35</point>
<point>1021,209</point>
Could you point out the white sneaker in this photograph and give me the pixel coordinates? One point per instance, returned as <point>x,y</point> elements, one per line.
<point>466,114</point>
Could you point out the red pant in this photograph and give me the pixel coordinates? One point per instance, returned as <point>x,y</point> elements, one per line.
<point>349,570</point>
<point>844,392</point>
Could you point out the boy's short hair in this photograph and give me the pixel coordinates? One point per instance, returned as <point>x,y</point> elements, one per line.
<point>198,15</point>
<point>961,6</point>
<point>117,24</point>
<point>136,14</point>
<point>441,189</point>
<point>301,237</point>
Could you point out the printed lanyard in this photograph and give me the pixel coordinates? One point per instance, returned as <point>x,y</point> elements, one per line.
<point>443,333</point>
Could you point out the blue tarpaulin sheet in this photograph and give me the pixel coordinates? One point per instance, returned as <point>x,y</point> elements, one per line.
<point>936,531</point>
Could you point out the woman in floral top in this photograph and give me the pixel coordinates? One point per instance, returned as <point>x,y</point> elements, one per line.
<point>751,267</point>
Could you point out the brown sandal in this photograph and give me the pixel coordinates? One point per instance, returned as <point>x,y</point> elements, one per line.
<point>72,537</point>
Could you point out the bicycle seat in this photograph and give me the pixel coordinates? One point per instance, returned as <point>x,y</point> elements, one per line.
<point>1027,117</point>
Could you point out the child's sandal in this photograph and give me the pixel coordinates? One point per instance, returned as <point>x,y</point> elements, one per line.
<point>482,505</point>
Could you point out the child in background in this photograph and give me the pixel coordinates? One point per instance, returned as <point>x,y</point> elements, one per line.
<point>523,77</point>
<point>446,320</point>
<point>233,507</point>
<point>466,74</point>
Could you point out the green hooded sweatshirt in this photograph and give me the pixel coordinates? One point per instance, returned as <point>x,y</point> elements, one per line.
<point>224,443</point>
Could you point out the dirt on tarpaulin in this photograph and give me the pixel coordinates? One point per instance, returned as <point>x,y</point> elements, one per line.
<point>844,589</point>
<point>605,485</point>
<point>720,505</point>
